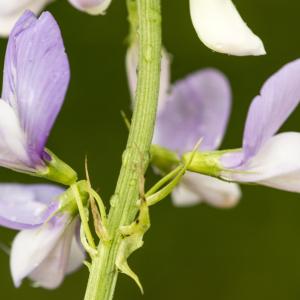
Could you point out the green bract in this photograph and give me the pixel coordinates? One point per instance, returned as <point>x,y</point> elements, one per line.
<point>57,170</point>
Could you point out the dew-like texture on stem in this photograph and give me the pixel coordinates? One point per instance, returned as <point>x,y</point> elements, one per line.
<point>103,272</point>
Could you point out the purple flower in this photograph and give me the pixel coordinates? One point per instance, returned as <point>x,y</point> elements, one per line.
<point>36,77</point>
<point>11,10</point>
<point>27,206</point>
<point>197,107</point>
<point>46,248</point>
<point>268,158</point>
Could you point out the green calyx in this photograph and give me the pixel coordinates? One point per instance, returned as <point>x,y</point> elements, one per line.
<point>67,200</point>
<point>56,170</point>
<point>207,163</point>
<point>164,159</point>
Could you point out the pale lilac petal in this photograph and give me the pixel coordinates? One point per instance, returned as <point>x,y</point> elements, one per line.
<point>131,68</point>
<point>277,164</point>
<point>51,271</point>
<point>31,247</point>
<point>76,258</point>
<point>36,76</point>
<point>278,97</point>
<point>183,196</point>
<point>221,28</point>
<point>208,189</point>
<point>24,206</point>
<point>93,7</point>
<point>198,107</point>
<point>11,10</point>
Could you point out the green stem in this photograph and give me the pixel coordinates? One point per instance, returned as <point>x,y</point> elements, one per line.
<point>103,273</point>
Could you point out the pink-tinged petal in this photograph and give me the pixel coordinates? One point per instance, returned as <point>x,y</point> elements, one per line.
<point>24,206</point>
<point>131,68</point>
<point>51,272</point>
<point>93,7</point>
<point>31,247</point>
<point>221,28</point>
<point>198,107</point>
<point>277,164</point>
<point>11,10</point>
<point>195,188</point>
<point>278,98</point>
<point>36,76</point>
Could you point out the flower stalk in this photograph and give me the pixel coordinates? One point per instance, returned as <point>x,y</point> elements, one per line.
<point>124,208</point>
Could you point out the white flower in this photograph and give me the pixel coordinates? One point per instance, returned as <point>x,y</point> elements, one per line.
<point>221,28</point>
<point>11,10</point>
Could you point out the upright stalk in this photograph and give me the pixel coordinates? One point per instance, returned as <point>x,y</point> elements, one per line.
<point>103,272</point>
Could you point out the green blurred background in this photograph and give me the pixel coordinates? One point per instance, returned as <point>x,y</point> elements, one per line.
<point>249,252</point>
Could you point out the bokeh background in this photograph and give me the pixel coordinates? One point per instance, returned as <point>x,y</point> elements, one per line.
<point>249,252</point>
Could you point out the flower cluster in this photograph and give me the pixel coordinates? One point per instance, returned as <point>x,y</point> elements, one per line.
<point>36,77</point>
<point>198,107</point>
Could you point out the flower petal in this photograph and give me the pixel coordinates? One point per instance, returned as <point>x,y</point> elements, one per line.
<point>36,76</point>
<point>208,189</point>
<point>93,7</point>
<point>77,256</point>
<point>198,107</point>
<point>221,28</point>
<point>131,68</point>
<point>278,97</point>
<point>24,206</point>
<point>13,152</point>
<point>11,10</point>
<point>31,247</point>
<point>51,272</point>
<point>183,196</point>
<point>277,164</point>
